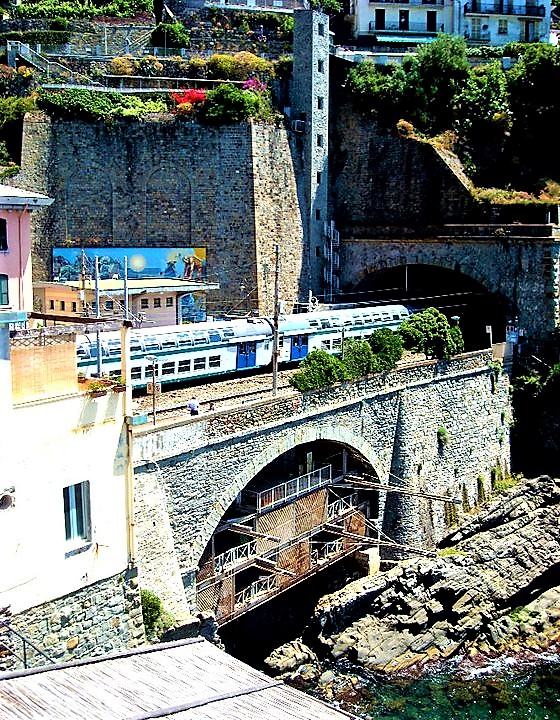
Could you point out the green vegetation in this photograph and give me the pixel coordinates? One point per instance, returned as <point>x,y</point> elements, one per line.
<point>502,119</point>
<point>429,332</point>
<point>88,104</point>
<point>156,619</point>
<point>481,495</point>
<point>447,552</point>
<point>318,370</point>
<point>46,38</point>
<point>520,615</point>
<point>79,9</point>
<point>229,104</point>
<point>329,7</point>
<point>170,36</point>
<point>500,481</point>
<point>442,436</point>
<point>451,514</point>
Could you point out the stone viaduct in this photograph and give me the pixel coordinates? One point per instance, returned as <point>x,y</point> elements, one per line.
<point>189,471</point>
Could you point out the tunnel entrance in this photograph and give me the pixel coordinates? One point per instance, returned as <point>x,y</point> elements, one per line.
<point>452,292</point>
<point>296,518</point>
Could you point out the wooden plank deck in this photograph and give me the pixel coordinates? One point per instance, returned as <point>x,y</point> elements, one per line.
<point>185,680</point>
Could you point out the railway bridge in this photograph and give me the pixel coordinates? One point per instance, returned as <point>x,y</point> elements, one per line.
<point>235,505</point>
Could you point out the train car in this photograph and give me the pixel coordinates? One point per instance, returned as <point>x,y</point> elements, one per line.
<point>187,352</point>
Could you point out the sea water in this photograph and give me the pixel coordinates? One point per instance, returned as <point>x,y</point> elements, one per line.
<point>504,690</point>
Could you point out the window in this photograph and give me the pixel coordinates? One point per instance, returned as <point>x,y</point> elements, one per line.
<point>74,307</point>
<point>63,305</point>
<point>51,304</point>
<point>214,361</point>
<point>3,289</point>
<point>168,368</point>
<point>157,302</point>
<point>320,141</point>
<point>77,512</point>
<point>199,363</point>
<point>321,29</point>
<point>169,302</point>
<point>144,303</point>
<point>321,66</point>
<point>109,304</point>
<point>320,102</point>
<point>3,235</point>
<point>502,27</point>
<point>136,373</point>
<point>184,366</point>
<point>317,214</point>
<point>319,177</point>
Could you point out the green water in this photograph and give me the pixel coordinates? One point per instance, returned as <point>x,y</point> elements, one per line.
<point>529,692</point>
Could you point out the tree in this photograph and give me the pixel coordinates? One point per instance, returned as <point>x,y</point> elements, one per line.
<point>429,332</point>
<point>357,358</point>
<point>387,348</point>
<point>228,104</point>
<point>318,370</point>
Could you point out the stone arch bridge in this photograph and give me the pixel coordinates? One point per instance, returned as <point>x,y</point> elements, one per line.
<point>188,471</point>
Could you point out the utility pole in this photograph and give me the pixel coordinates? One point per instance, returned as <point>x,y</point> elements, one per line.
<point>275,348</point>
<point>153,360</point>
<point>98,315</point>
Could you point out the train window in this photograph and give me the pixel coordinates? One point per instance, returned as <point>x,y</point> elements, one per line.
<point>280,341</point>
<point>367,319</point>
<point>336,343</point>
<point>135,346</point>
<point>136,373</point>
<point>168,341</point>
<point>114,347</point>
<point>347,322</point>
<point>168,368</point>
<point>314,323</point>
<point>385,316</point>
<point>151,343</point>
<point>228,333</point>
<point>184,366</point>
<point>325,344</point>
<point>199,363</point>
<point>377,318</point>
<point>214,336</point>
<point>325,323</point>
<point>184,339</point>
<point>357,320</point>
<point>335,322</point>
<point>214,361</point>
<point>200,337</point>
<point>395,316</point>
<point>404,314</point>
<point>82,351</point>
<point>148,371</point>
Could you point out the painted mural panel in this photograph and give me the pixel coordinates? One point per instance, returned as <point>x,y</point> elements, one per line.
<point>152,262</point>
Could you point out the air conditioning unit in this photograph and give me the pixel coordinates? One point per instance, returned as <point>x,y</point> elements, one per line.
<point>298,126</point>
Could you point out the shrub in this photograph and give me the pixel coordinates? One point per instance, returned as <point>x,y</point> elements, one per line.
<point>122,66</point>
<point>152,608</point>
<point>429,332</point>
<point>442,436</point>
<point>79,103</point>
<point>172,35</point>
<point>387,347</point>
<point>358,358</point>
<point>318,370</point>
<point>228,104</point>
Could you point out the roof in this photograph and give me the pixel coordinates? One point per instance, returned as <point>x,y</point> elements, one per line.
<point>185,680</point>
<point>16,197</point>
<point>137,286</point>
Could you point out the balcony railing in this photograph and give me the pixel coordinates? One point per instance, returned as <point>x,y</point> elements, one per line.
<point>290,489</point>
<point>406,2</point>
<point>256,589</point>
<point>400,27</point>
<point>503,8</point>
<point>234,557</point>
<point>339,507</point>
<point>322,551</point>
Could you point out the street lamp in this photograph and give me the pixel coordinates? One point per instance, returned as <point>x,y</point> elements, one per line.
<point>153,359</point>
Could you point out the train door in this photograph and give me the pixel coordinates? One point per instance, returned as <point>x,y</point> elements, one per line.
<point>246,355</point>
<point>299,347</point>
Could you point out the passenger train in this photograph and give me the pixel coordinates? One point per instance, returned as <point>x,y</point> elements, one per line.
<point>201,350</point>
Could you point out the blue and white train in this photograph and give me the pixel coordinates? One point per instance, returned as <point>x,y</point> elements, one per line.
<point>188,352</point>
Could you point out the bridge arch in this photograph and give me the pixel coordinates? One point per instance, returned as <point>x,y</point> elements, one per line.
<point>293,437</point>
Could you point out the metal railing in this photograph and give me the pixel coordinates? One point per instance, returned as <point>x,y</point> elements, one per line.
<point>504,8</point>
<point>291,489</point>
<point>339,507</point>
<point>234,557</point>
<point>10,638</point>
<point>260,587</point>
<point>325,550</point>
<point>413,27</point>
<point>51,68</point>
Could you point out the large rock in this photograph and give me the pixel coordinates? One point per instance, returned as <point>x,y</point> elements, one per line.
<point>494,587</point>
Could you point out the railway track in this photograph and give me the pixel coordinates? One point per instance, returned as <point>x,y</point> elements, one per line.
<point>214,395</point>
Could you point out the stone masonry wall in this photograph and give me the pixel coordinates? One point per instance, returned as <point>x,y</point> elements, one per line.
<point>391,420</point>
<point>167,182</point>
<point>97,619</point>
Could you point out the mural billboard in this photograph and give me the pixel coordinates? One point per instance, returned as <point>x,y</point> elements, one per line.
<point>149,262</point>
<point>152,262</point>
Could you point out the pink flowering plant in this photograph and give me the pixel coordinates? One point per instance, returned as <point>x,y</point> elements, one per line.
<point>254,85</point>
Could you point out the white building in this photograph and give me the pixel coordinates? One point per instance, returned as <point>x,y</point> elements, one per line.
<point>480,22</point>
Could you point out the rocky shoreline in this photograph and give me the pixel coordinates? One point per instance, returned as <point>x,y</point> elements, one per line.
<point>492,591</point>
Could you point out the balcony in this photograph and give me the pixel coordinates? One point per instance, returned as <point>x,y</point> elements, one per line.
<point>398,27</point>
<point>503,8</point>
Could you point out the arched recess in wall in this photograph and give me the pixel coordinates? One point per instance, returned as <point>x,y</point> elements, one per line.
<point>168,208</point>
<point>456,294</point>
<point>89,206</point>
